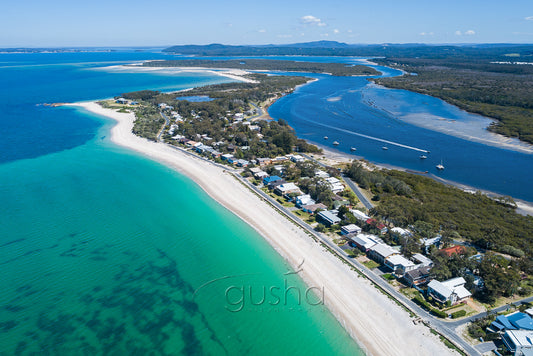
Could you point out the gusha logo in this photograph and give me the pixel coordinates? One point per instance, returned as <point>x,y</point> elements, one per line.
<point>238,296</point>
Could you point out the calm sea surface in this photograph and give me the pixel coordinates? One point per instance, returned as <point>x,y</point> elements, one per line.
<point>105,252</point>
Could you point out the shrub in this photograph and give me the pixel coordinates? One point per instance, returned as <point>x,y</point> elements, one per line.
<point>458,314</point>
<point>438,313</point>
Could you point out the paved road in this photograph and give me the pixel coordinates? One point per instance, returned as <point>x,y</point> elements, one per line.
<point>358,192</point>
<point>439,325</point>
<point>367,203</point>
<point>455,324</point>
<point>167,121</point>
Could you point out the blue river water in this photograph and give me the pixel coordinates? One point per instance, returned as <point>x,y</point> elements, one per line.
<point>359,114</point>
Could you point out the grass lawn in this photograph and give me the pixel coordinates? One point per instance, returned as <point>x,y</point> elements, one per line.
<point>371,264</point>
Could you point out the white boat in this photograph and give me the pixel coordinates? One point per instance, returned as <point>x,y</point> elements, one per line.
<point>439,166</point>
<point>326,137</point>
<point>384,148</point>
<point>335,143</point>
<point>353,149</point>
<point>423,157</point>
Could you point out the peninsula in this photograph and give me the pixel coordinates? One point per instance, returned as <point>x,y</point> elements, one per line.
<point>221,136</point>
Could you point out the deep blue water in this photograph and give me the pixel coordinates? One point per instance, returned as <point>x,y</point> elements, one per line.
<point>358,114</point>
<point>29,129</point>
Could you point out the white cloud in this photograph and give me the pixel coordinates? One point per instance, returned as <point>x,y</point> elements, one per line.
<point>470,32</point>
<point>458,33</point>
<point>335,31</point>
<point>312,21</point>
<point>325,35</point>
<point>529,18</point>
<point>426,33</point>
<point>284,36</point>
<point>262,30</point>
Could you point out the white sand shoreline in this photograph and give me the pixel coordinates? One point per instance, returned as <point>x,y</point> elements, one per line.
<point>377,324</point>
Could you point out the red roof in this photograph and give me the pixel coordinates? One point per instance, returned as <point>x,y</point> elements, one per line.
<point>458,250</point>
<point>375,223</point>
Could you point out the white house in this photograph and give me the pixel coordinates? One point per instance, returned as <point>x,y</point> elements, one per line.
<point>302,200</point>
<point>452,290</point>
<point>321,174</point>
<point>519,342</point>
<point>400,231</point>
<point>399,264</point>
<point>287,188</point>
<point>329,217</point>
<point>364,241</point>
<point>297,158</point>
<point>350,229</point>
<point>359,215</point>
<point>422,260</point>
<point>380,252</point>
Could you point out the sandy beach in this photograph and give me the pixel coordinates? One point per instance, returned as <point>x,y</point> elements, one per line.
<point>375,322</point>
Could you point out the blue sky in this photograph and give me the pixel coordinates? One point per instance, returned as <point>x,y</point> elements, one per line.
<point>37,23</point>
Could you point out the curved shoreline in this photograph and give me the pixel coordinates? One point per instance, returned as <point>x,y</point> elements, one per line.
<point>378,325</point>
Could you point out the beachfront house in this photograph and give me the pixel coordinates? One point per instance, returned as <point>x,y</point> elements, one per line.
<point>363,241</point>
<point>121,101</point>
<point>321,174</point>
<point>417,277</point>
<point>452,290</point>
<point>270,179</point>
<point>328,217</point>
<point>313,208</point>
<point>287,188</point>
<point>350,229</point>
<point>399,264</point>
<point>380,252</point>
<point>519,342</point>
<point>514,321</point>
<point>226,156</point>
<point>302,200</point>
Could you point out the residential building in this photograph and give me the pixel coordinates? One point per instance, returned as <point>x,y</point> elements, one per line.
<point>302,200</point>
<point>514,321</point>
<point>452,290</point>
<point>418,276</point>
<point>313,208</point>
<point>401,232</point>
<point>519,342</point>
<point>364,241</point>
<point>121,101</point>
<point>399,264</point>
<point>350,229</point>
<point>422,260</point>
<point>287,188</point>
<point>359,215</point>
<point>458,250</point>
<point>321,174</point>
<point>261,175</point>
<point>380,252</point>
<point>380,226</point>
<point>226,156</point>
<point>328,217</point>
<point>270,179</point>
<point>297,158</point>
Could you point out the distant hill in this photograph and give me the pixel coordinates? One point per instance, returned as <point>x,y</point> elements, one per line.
<point>328,48</point>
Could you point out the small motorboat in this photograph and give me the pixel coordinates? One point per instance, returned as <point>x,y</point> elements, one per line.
<point>440,166</point>
<point>353,149</point>
<point>384,148</point>
<point>423,157</point>
<point>326,137</point>
<point>335,143</point>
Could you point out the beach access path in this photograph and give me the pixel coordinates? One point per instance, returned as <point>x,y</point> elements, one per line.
<point>378,324</point>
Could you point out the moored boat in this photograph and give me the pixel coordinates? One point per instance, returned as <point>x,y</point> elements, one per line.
<point>335,143</point>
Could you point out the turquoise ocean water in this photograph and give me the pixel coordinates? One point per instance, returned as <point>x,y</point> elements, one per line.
<point>104,252</point>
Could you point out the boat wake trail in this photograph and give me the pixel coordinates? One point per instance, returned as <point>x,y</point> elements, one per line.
<point>370,137</point>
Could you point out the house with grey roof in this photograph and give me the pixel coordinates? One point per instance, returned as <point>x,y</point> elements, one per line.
<point>452,290</point>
